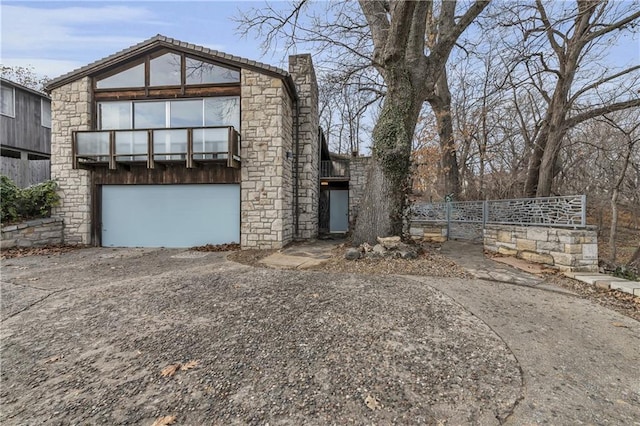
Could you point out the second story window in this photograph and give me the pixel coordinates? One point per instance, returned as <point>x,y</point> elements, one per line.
<point>8,101</point>
<point>45,113</point>
<point>202,112</point>
<point>166,69</point>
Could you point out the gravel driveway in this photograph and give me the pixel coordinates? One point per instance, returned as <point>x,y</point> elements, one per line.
<point>86,336</point>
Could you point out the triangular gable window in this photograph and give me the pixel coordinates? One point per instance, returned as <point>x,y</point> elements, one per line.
<point>131,77</point>
<point>168,69</point>
<point>200,72</point>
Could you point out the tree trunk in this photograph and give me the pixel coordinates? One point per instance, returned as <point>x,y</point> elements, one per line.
<point>614,225</point>
<point>381,211</point>
<point>635,260</point>
<point>441,105</point>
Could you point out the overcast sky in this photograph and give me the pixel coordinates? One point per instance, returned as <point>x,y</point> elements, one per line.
<point>57,37</point>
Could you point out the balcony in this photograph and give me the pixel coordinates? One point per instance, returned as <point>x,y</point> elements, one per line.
<point>189,145</point>
<point>334,170</point>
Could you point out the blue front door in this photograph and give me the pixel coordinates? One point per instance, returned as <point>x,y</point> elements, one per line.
<point>338,210</point>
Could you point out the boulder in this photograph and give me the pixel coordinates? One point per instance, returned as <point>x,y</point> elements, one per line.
<point>389,242</point>
<point>352,254</point>
<point>379,249</point>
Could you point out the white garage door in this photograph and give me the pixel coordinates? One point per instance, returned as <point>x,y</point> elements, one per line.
<point>170,215</point>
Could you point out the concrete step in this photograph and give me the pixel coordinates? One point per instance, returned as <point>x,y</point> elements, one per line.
<point>607,281</point>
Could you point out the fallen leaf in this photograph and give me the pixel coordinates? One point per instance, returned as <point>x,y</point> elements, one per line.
<point>372,403</point>
<point>165,420</point>
<point>189,365</point>
<point>619,324</point>
<point>54,359</point>
<point>170,370</point>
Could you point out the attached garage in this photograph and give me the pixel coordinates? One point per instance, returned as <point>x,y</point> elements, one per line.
<point>170,215</point>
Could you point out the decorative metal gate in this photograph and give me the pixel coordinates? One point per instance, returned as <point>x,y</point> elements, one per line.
<point>465,220</point>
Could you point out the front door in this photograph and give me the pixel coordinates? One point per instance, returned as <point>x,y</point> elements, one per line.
<point>338,210</point>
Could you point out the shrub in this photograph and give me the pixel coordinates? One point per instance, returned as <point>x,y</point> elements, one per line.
<point>21,204</point>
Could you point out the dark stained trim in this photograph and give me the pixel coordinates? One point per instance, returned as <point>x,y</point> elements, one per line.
<point>167,93</point>
<point>160,41</point>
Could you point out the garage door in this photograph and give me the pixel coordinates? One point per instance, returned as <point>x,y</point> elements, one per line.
<point>170,215</point>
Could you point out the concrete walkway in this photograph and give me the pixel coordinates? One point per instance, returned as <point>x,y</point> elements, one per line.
<point>302,255</point>
<point>580,361</point>
<point>606,281</point>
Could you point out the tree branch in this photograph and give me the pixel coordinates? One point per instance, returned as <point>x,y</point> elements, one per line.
<point>618,106</point>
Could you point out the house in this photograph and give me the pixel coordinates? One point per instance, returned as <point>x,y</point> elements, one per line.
<point>25,133</point>
<point>172,144</point>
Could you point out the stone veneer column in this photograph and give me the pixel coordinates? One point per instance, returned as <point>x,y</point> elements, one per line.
<point>304,77</point>
<point>357,183</point>
<point>266,194</point>
<point>71,110</point>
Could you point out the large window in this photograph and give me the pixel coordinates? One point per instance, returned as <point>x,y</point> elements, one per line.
<point>45,112</point>
<point>7,101</point>
<point>165,70</point>
<point>131,77</point>
<point>168,69</point>
<point>202,112</point>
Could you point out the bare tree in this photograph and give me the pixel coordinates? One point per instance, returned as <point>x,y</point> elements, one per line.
<point>399,30</point>
<point>25,76</point>
<point>578,92</point>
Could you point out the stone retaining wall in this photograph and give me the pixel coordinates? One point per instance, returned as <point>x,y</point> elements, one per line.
<point>574,250</point>
<point>429,232</point>
<point>37,232</point>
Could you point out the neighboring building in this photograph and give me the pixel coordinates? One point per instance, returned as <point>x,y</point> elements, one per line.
<point>171,144</point>
<point>25,133</point>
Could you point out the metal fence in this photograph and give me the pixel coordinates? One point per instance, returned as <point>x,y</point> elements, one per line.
<point>567,211</point>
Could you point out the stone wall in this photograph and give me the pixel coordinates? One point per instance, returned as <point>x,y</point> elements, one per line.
<point>37,232</point>
<point>266,195</point>
<point>71,110</point>
<point>573,250</point>
<point>430,232</point>
<point>304,77</point>
<point>358,167</point>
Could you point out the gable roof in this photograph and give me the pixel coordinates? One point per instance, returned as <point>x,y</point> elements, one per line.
<point>163,41</point>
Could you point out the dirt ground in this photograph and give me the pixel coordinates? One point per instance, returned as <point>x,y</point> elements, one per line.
<point>431,263</point>
<point>114,336</point>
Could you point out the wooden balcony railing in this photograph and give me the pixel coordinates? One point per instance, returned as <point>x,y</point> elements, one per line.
<point>336,169</point>
<point>190,145</point>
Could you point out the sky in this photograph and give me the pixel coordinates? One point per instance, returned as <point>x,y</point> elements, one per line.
<point>58,37</point>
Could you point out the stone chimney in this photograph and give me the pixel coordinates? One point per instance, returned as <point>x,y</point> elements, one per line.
<point>304,77</point>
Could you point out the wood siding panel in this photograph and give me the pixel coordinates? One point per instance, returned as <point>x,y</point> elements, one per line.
<point>25,131</point>
<point>170,174</point>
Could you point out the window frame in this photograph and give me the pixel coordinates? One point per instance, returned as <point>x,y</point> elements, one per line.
<point>13,102</point>
<point>146,60</point>
<point>44,101</point>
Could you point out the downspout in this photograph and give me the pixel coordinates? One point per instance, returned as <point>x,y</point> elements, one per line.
<point>296,172</point>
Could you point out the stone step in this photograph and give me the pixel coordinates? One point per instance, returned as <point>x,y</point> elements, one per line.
<point>607,281</point>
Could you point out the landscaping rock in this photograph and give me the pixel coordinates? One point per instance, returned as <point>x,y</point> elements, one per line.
<point>379,250</point>
<point>389,242</point>
<point>408,254</point>
<point>352,254</point>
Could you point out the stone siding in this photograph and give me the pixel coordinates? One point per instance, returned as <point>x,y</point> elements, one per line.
<point>71,110</point>
<point>358,167</point>
<point>37,232</point>
<point>266,184</point>
<point>574,250</point>
<point>430,232</point>
<point>304,77</point>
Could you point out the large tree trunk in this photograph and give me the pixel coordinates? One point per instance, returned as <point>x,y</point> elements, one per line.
<point>441,105</point>
<point>381,211</point>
